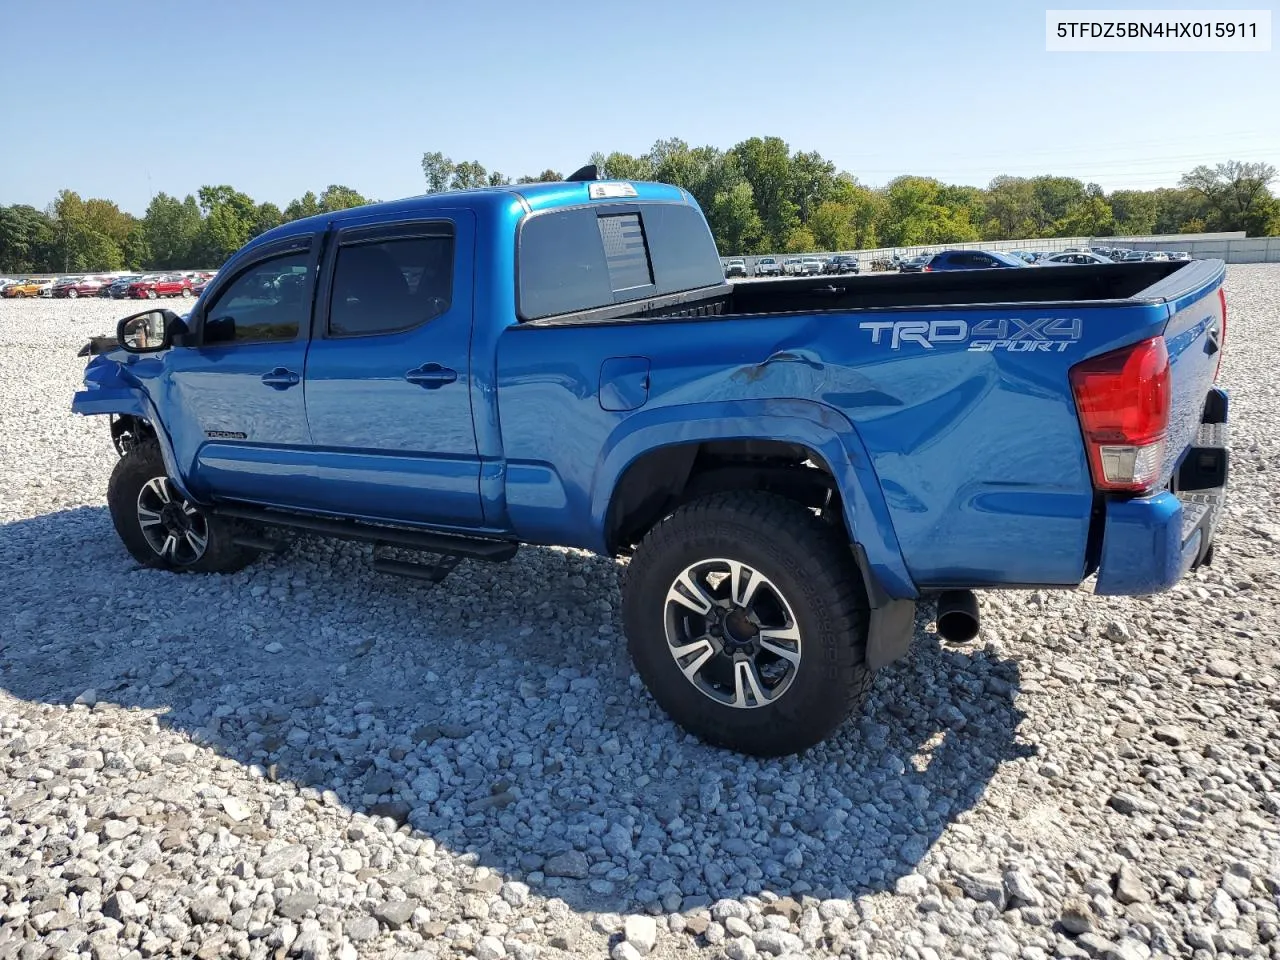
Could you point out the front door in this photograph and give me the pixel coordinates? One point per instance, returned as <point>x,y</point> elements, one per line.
<point>388,374</point>
<point>235,407</point>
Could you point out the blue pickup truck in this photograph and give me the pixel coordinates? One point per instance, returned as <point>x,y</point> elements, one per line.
<point>789,465</point>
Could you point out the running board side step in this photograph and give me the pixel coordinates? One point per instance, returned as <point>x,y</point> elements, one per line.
<point>445,544</point>
<point>431,572</point>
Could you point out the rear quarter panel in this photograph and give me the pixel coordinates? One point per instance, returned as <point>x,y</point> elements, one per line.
<point>977,452</point>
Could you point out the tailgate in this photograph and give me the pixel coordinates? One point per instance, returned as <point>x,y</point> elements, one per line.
<point>1151,539</point>
<point>1195,338</point>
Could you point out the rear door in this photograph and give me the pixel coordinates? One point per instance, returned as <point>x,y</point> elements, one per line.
<point>388,374</point>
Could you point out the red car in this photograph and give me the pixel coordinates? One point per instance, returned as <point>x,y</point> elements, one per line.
<point>149,288</point>
<point>77,287</point>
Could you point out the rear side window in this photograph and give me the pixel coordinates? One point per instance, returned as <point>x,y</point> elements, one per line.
<point>386,286</point>
<point>590,257</point>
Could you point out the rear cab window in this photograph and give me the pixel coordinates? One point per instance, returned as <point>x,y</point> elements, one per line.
<point>583,258</point>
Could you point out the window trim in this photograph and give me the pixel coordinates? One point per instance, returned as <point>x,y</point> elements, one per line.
<point>302,243</point>
<point>360,234</point>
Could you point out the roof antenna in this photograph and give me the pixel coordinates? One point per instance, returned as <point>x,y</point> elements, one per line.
<point>589,172</point>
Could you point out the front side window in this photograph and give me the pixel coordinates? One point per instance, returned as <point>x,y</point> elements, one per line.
<point>265,303</point>
<point>385,286</point>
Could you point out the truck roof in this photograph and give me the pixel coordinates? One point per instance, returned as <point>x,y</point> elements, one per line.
<point>532,196</point>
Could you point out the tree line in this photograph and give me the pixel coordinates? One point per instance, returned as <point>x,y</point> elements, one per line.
<point>759,196</point>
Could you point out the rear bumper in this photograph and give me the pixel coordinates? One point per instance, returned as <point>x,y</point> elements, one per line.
<point>1150,543</point>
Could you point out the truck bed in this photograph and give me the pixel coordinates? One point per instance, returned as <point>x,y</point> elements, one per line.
<point>1110,283</point>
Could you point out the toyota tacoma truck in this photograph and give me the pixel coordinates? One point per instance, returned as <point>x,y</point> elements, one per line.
<point>789,466</point>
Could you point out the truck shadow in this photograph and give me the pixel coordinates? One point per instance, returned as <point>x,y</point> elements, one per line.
<point>530,745</point>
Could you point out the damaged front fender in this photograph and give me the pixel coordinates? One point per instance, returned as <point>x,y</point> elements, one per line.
<point>110,389</point>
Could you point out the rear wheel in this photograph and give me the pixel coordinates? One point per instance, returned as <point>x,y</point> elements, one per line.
<point>159,527</point>
<point>186,293</point>
<point>747,619</point>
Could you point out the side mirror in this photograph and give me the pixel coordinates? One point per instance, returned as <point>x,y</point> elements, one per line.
<point>149,332</point>
<point>219,329</point>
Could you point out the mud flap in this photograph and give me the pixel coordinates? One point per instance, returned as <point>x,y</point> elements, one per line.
<point>892,623</point>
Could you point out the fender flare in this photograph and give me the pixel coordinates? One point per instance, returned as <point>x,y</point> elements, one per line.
<point>109,393</point>
<point>822,429</point>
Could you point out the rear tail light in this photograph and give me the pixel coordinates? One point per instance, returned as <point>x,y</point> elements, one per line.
<point>1222,334</point>
<point>1123,398</point>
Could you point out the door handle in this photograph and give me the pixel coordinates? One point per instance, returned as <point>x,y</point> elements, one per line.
<point>432,376</point>
<point>281,379</point>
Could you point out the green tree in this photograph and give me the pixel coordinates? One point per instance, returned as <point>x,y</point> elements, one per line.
<point>1089,217</point>
<point>801,240</point>
<point>267,217</point>
<point>468,174</point>
<point>230,219</point>
<point>337,197</point>
<point>1053,196</point>
<point>1011,209</point>
<point>169,229</point>
<point>27,240</point>
<point>623,166</point>
<point>307,205</point>
<point>734,222</point>
<point>438,169</point>
<point>765,162</point>
<point>546,176</point>
<point>920,211</point>
<point>1135,212</point>
<point>812,180</point>
<point>1237,195</point>
<point>832,226</point>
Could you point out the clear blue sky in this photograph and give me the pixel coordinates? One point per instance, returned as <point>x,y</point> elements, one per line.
<point>125,99</point>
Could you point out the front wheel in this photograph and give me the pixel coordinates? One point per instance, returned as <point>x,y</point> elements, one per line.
<point>186,293</point>
<point>72,293</point>
<point>159,527</point>
<point>151,294</point>
<point>747,620</point>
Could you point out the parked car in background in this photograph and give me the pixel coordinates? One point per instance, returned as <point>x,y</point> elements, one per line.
<point>197,287</point>
<point>1061,259</point>
<point>1157,255</point>
<point>736,267</point>
<point>21,289</point>
<point>1025,255</point>
<point>1135,256</point>
<point>119,287</point>
<point>972,260</point>
<point>810,267</point>
<point>768,267</point>
<point>1180,255</point>
<point>168,285</point>
<point>791,266</point>
<point>914,264</point>
<point>842,263</point>
<point>73,287</point>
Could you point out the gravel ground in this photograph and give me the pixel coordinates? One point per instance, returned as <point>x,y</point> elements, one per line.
<point>309,759</point>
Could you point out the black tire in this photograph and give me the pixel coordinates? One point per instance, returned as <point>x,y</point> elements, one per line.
<point>142,464</point>
<point>810,565</point>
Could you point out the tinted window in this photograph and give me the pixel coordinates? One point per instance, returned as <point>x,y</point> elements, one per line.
<point>683,251</point>
<point>266,302</point>
<point>389,285</point>
<point>585,258</point>
<point>562,264</point>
